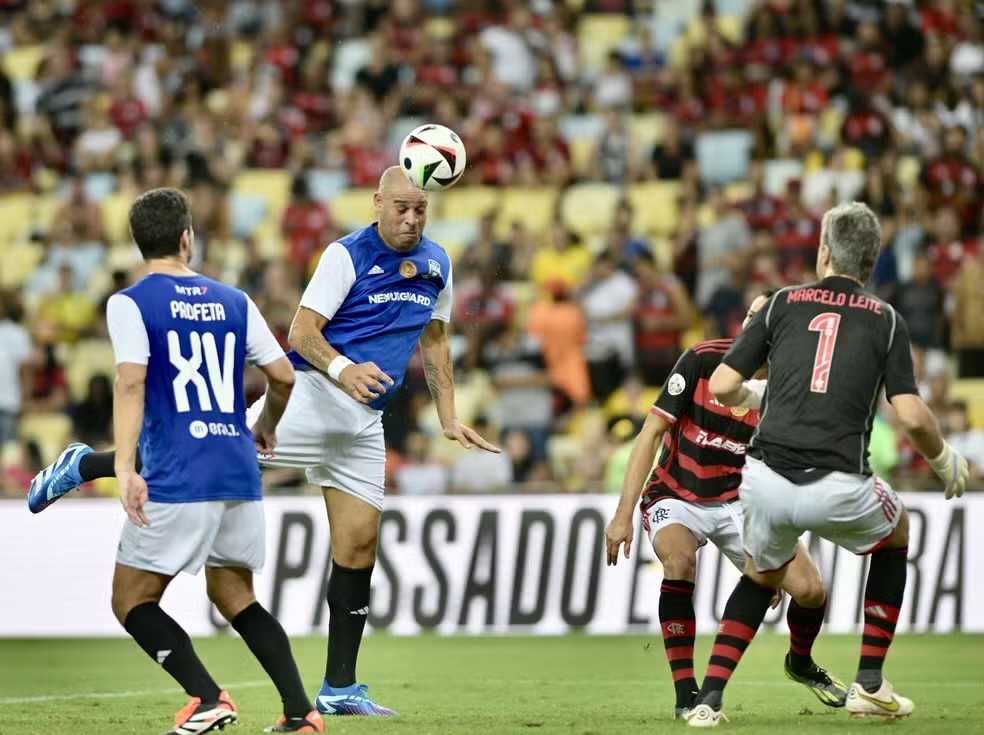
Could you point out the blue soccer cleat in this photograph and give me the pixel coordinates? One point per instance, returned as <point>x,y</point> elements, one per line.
<point>351,700</point>
<point>58,478</point>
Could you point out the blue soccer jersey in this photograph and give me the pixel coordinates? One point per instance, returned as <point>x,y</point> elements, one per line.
<point>378,301</point>
<point>195,336</point>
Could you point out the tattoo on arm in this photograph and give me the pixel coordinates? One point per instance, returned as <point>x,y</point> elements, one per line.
<point>440,378</point>
<point>316,351</point>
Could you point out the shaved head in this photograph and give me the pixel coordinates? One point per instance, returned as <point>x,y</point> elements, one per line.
<point>394,183</point>
<point>401,210</point>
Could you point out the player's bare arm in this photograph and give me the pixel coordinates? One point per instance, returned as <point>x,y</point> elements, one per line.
<point>128,415</point>
<point>621,528</point>
<point>364,382</point>
<point>280,383</point>
<point>435,349</point>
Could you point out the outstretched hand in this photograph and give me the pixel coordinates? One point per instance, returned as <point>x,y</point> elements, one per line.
<point>468,437</point>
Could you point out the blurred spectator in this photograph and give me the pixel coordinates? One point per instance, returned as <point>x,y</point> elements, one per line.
<point>673,157</point>
<point>721,246</point>
<point>476,472</point>
<point>920,302</point>
<point>48,384</point>
<point>66,309</point>
<point>616,158</point>
<point>306,225</point>
<point>513,46</point>
<point>566,260</point>
<point>903,37</point>
<point>613,87</point>
<point>420,474</point>
<point>558,323</point>
<point>663,314</point>
<point>952,179</point>
<point>92,418</point>
<point>527,468</point>
<point>15,354</point>
<point>514,361</point>
<point>949,249</point>
<point>967,331</point>
<point>609,300</point>
<point>622,436</point>
<point>965,440</point>
<point>484,307</point>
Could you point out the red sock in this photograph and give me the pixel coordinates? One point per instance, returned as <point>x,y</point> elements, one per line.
<point>678,624</point>
<point>743,615</point>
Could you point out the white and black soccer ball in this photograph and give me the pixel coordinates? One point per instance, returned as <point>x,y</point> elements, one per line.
<point>433,157</point>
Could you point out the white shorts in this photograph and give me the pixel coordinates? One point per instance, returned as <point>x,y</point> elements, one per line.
<point>184,537</point>
<point>719,523</point>
<point>336,439</point>
<point>853,511</point>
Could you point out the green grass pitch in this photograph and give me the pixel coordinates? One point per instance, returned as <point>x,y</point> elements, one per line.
<point>574,684</point>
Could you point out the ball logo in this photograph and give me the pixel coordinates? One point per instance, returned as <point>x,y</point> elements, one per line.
<point>408,269</point>
<point>198,429</point>
<point>676,384</point>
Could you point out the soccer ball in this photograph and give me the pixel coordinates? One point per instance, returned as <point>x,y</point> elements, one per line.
<point>433,157</point>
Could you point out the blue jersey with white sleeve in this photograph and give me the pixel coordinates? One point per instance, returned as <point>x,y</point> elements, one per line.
<point>195,336</point>
<point>377,301</point>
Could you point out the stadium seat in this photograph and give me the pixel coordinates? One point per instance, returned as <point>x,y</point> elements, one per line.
<point>533,207</point>
<point>825,187</point>
<point>115,209</point>
<point>325,185</point>
<point>656,206</point>
<point>99,185</point>
<point>16,215</point>
<point>647,130</point>
<point>352,208</point>
<point>89,357</point>
<point>469,202</point>
<point>454,235</point>
<point>248,211</point>
<point>349,56</point>
<point>271,185</point>
<point>597,35</point>
<point>588,208</point>
<point>269,239</point>
<point>971,391</point>
<point>723,155</point>
<point>51,432</point>
<point>907,171</point>
<point>778,172</point>
<point>21,62</point>
<point>19,262</point>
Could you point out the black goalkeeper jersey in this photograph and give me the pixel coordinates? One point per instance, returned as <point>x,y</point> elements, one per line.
<point>830,348</point>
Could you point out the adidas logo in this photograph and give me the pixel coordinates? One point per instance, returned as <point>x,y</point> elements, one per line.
<point>376,271</point>
<point>360,611</point>
<point>162,656</point>
<point>876,610</point>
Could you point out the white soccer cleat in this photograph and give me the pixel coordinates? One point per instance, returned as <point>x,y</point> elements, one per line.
<point>883,703</point>
<point>704,715</point>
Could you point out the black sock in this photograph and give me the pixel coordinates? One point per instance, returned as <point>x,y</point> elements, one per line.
<point>348,603</point>
<point>97,465</point>
<point>271,647</point>
<point>743,615</point>
<point>882,600</point>
<point>804,627</point>
<point>166,642</point>
<point>678,623</point>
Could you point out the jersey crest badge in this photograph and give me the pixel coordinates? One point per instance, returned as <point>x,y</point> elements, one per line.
<point>739,411</point>
<point>676,384</point>
<point>408,269</point>
<point>433,269</point>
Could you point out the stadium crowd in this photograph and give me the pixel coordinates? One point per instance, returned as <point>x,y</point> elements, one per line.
<point>638,172</point>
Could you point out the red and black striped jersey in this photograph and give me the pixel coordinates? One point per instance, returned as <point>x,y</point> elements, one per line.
<point>703,452</point>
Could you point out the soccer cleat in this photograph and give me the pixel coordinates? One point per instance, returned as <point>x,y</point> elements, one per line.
<point>704,715</point>
<point>198,717</point>
<point>311,722</point>
<point>883,703</point>
<point>350,700</point>
<point>58,478</point>
<point>680,713</point>
<point>830,690</point>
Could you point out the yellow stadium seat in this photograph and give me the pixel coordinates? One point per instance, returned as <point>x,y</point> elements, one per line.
<point>582,149</point>
<point>656,206</point>
<point>679,55</point>
<point>272,185</point>
<point>971,391</point>
<point>469,202</point>
<point>647,129</point>
<point>18,262</point>
<point>831,120</point>
<point>738,191</point>
<point>90,357</point>
<point>534,208</point>
<point>16,217</point>
<point>907,171</point>
<point>242,54</point>
<point>853,159</point>
<point>730,26</point>
<point>270,240</point>
<point>352,208</point>
<point>21,62</point>
<point>51,431</point>
<point>597,35</point>
<point>588,208</point>
<point>115,211</point>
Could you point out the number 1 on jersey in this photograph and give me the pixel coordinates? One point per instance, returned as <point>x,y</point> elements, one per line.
<point>827,325</point>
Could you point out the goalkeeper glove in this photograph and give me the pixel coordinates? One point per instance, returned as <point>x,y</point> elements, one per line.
<point>952,469</point>
<point>755,390</point>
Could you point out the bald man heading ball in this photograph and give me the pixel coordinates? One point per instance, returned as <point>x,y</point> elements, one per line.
<point>376,294</point>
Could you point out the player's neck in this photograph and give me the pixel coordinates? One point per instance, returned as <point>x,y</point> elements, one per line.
<point>169,267</point>
<point>834,274</point>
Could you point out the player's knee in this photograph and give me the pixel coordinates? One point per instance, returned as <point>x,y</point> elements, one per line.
<point>356,552</point>
<point>679,564</point>
<point>810,592</point>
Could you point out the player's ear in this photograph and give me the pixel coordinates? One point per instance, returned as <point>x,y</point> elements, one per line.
<point>377,203</point>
